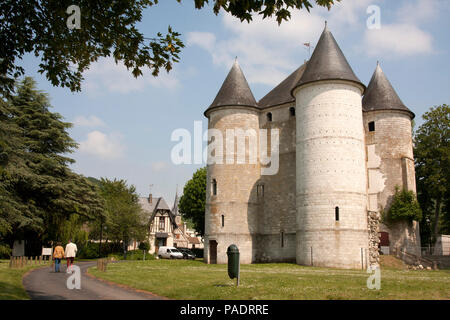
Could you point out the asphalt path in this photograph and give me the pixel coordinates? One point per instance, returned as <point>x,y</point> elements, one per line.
<point>45,284</point>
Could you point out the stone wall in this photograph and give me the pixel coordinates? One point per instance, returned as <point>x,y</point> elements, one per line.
<point>236,198</point>
<point>331,172</point>
<point>390,146</point>
<point>277,216</point>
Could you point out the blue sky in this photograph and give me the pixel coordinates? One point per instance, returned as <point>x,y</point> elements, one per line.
<point>124,125</point>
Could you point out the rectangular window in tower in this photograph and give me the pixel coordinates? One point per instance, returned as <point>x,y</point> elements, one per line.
<point>260,190</point>
<point>214,187</point>
<point>336,213</point>
<point>372,126</point>
<point>282,239</point>
<point>223,221</point>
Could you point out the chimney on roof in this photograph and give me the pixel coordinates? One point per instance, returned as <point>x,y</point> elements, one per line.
<point>150,198</point>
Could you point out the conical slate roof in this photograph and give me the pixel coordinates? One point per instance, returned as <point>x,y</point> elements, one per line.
<point>281,94</point>
<point>234,91</point>
<point>327,62</point>
<point>380,95</point>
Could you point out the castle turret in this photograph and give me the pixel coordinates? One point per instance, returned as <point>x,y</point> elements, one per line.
<point>331,177</point>
<point>231,200</point>
<point>390,161</point>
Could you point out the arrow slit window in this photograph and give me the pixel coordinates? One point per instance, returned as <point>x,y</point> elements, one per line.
<point>214,187</point>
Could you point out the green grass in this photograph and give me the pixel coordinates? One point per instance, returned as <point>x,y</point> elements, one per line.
<point>11,287</point>
<point>180,279</point>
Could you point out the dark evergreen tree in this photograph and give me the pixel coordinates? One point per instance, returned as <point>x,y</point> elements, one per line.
<point>38,191</point>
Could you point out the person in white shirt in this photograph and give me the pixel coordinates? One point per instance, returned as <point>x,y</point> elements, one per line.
<point>70,252</point>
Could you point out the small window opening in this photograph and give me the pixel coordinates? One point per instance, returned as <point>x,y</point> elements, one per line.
<point>282,239</point>
<point>292,111</point>
<point>223,221</point>
<point>269,117</point>
<point>260,190</point>
<point>336,213</point>
<point>214,187</point>
<point>371,126</point>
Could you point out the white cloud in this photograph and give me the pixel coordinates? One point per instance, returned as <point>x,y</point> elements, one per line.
<point>89,121</point>
<point>159,166</point>
<point>398,40</point>
<point>107,76</point>
<point>405,37</point>
<point>205,40</point>
<point>102,145</point>
<point>268,52</point>
<point>349,13</point>
<point>419,11</point>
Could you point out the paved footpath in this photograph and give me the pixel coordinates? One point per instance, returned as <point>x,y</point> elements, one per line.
<point>45,284</point>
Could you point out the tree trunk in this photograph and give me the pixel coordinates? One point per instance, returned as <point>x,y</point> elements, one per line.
<point>436,218</point>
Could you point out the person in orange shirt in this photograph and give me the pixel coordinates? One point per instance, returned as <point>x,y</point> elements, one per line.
<point>58,254</point>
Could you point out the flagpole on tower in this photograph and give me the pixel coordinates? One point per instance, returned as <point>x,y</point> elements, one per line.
<point>308,47</point>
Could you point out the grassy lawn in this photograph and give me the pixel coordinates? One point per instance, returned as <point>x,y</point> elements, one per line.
<point>196,280</point>
<point>11,287</point>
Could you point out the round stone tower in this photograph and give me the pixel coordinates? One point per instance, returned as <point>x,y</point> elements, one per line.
<point>231,194</point>
<point>390,161</point>
<point>331,176</point>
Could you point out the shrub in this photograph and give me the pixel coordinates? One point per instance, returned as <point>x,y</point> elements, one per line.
<point>404,206</point>
<point>91,250</point>
<point>144,246</point>
<point>5,251</point>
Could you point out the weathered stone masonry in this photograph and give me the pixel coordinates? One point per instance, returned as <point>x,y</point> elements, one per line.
<point>343,149</point>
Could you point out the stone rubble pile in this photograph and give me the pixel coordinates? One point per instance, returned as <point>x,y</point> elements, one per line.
<point>373,222</point>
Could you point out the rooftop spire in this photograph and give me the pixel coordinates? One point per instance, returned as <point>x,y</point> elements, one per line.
<point>327,62</point>
<point>235,90</point>
<point>380,95</point>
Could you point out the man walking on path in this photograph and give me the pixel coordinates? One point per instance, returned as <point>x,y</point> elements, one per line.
<point>71,251</point>
<point>58,254</point>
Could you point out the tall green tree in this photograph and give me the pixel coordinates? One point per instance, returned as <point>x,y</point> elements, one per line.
<point>124,218</point>
<point>432,160</point>
<point>38,191</point>
<point>107,28</point>
<point>192,202</point>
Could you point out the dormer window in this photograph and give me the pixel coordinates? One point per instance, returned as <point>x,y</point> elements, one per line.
<point>269,117</point>
<point>371,126</point>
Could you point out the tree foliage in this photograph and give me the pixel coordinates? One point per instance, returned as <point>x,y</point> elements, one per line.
<point>192,202</point>
<point>404,206</point>
<point>108,28</point>
<point>432,162</point>
<point>38,191</point>
<point>124,218</point>
<point>281,9</point>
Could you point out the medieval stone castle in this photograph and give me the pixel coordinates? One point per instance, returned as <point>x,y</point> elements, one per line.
<point>344,147</point>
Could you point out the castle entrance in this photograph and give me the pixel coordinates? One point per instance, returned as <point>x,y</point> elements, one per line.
<point>212,251</point>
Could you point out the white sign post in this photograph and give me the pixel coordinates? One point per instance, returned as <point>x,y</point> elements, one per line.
<point>46,251</point>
